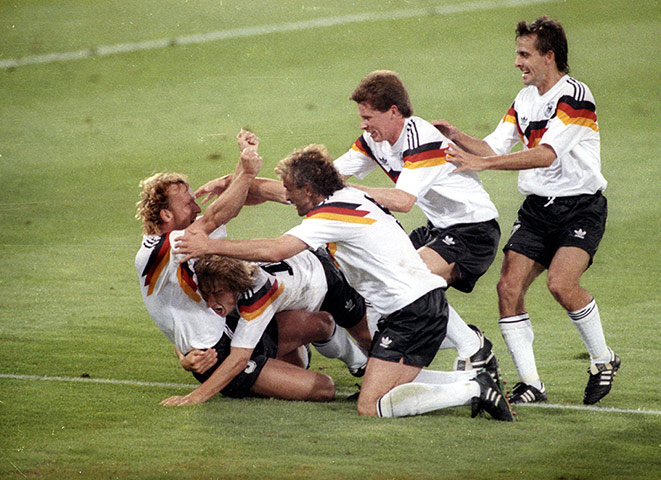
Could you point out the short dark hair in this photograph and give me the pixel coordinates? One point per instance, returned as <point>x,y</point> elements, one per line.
<point>311,165</point>
<point>382,89</point>
<point>550,36</point>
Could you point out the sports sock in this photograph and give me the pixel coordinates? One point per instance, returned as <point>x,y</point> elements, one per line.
<point>518,335</point>
<point>440,377</point>
<point>340,345</point>
<point>588,323</point>
<point>460,336</point>
<point>417,398</point>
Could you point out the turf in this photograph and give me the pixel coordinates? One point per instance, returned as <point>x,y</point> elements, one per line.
<point>77,136</point>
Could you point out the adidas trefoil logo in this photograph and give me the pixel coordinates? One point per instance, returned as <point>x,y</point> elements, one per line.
<point>580,233</point>
<point>385,342</point>
<point>349,305</point>
<point>448,240</point>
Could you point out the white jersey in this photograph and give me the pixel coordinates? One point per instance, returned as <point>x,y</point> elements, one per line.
<point>417,164</point>
<point>564,118</point>
<point>169,290</point>
<point>298,283</point>
<point>370,247</point>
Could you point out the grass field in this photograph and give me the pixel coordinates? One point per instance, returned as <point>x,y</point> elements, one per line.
<point>76,136</point>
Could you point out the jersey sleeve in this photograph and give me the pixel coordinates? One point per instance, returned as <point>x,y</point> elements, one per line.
<point>331,222</point>
<point>574,121</point>
<point>416,178</point>
<point>257,307</point>
<point>358,161</point>
<point>164,266</point>
<point>507,133</point>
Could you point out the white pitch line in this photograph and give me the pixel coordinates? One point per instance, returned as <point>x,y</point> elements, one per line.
<point>138,383</point>
<point>104,50</point>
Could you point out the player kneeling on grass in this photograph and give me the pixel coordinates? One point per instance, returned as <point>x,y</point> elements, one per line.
<point>379,261</point>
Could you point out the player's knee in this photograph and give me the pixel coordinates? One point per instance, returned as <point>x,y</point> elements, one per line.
<point>325,324</point>
<point>324,390</point>
<point>560,287</point>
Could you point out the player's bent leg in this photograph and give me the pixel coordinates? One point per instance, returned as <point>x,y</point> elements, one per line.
<point>382,376</point>
<point>284,381</point>
<point>516,275</point>
<point>361,333</point>
<point>299,357</point>
<point>437,264</point>
<point>564,276</point>
<point>298,327</point>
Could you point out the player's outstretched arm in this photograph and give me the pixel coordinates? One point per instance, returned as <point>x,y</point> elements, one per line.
<point>392,198</point>
<point>539,157</point>
<point>230,368</point>
<point>229,203</point>
<point>475,146</point>
<point>195,244</point>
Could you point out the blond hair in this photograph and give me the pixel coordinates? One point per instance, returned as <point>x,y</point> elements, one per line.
<point>237,275</point>
<point>154,198</point>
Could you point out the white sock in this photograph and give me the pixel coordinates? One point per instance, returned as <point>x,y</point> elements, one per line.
<point>588,323</point>
<point>460,336</point>
<point>340,345</point>
<point>518,335</point>
<point>417,398</point>
<point>439,377</point>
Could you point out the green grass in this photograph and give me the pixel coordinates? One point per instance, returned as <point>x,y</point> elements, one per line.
<point>76,137</point>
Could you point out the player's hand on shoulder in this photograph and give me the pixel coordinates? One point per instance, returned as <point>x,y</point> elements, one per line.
<point>192,244</point>
<point>446,128</point>
<point>464,160</point>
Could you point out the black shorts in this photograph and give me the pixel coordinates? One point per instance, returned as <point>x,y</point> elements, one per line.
<point>343,302</point>
<point>414,332</point>
<point>267,348</point>
<point>472,247</point>
<point>546,224</point>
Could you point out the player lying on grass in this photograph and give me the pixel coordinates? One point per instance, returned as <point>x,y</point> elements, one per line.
<point>378,259</point>
<point>306,281</point>
<point>167,209</point>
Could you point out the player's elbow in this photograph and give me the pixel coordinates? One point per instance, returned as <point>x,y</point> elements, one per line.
<point>547,155</point>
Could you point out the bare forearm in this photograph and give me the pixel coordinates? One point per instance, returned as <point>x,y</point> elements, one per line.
<point>228,204</point>
<point>538,157</point>
<point>256,249</point>
<point>391,198</point>
<point>266,190</point>
<point>473,145</point>
<point>230,368</point>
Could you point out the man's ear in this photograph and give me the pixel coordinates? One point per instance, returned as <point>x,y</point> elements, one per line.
<point>166,215</point>
<point>550,57</point>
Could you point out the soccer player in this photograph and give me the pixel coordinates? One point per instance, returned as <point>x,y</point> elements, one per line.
<point>563,216</point>
<point>170,293</point>
<point>460,240</point>
<point>307,281</point>
<point>380,262</point>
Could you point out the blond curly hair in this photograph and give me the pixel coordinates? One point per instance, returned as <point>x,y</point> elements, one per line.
<point>154,198</point>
